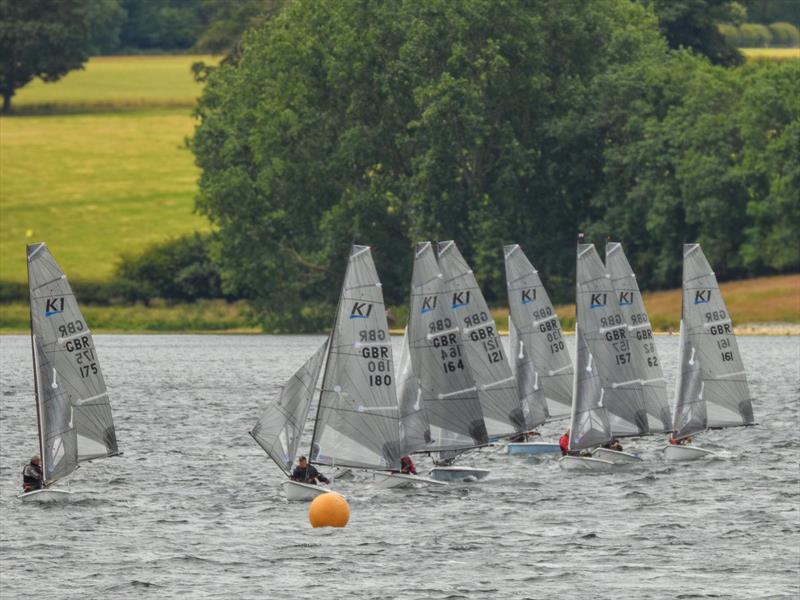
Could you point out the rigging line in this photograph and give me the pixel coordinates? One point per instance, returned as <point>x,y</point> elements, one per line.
<point>46,283</point>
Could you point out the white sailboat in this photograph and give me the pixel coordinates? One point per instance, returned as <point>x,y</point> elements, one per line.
<point>73,412</point>
<point>604,389</point>
<point>280,428</point>
<point>358,422</point>
<point>440,383</point>
<point>711,390</point>
<point>539,357</point>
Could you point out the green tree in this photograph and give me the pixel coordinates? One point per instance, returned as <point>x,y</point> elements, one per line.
<point>41,38</point>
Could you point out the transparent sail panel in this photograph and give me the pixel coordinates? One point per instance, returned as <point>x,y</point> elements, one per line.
<point>529,382</point>
<point>69,370</point>
<point>689,415</point>
<point>589,425</point>
<point>279,429</point>
<point>539,332</point>
<point>358,421</point>
<point>640,335</point>
<point>439,361</point>
<point>709,332</point>
<point>606,335</point>
<point>503,411</point>
<point>415,428</point>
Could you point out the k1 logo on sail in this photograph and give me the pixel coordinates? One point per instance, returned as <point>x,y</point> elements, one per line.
<point>54,306</point>
<point>460,299</point>
<point>428,304</point>
<point>529,295</point>
<point>361,310</point>
<point>625,298</point>
<point>598,300</point>
<point>702,296</point>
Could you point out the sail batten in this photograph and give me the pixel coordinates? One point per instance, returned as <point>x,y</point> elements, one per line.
<point>358,420</point>
<point>74,411</point>
<point>712,388</point>
<point>543,356</point>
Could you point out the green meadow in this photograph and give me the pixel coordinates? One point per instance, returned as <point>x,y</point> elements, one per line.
<point>96,183</point>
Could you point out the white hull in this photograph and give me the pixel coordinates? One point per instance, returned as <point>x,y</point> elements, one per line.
<point>303,492</point>
<point>585,463</point>
<point>531,448</point>
<point>402,480</point>
<point>47,495</point>
<point>615,456</point>
<point>458,473</point>
<point>685,453</point>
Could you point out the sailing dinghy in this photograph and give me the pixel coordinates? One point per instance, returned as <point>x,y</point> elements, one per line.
<point>358,422</point>
<point>711,390</point>
<point>603,373</point>
<point>72,407</point>
<point>539,357</point>
<point>280,427</point>
<point>440,373</point>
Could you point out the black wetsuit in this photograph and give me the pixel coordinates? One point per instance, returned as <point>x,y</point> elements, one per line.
<point>308,474</point>
<point>31,477</point>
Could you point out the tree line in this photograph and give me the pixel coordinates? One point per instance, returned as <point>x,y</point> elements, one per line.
<point>488,122</point>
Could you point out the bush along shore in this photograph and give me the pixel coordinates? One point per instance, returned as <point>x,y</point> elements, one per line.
<point>761,306</point>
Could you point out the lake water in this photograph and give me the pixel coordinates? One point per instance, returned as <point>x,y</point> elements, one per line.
<point>193,508</point>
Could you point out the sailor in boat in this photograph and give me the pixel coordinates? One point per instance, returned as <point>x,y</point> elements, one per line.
<point>680,441</point>
<point>407,465</point>
<point>306,473</point>
<point>32,475</point>
<point>613,445</point>
<point>563,443</point>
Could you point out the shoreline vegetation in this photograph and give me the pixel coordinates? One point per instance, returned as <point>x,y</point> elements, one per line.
<point>759,306</point>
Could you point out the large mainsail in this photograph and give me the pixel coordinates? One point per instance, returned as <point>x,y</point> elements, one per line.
<point>640,336</point>
<point>280,428</point>
<point>529,387</point>
<point>503,411</point>
<point>439,362</point>
<point>589,426</point>
<point>75,423</point>
<point>605,332</point>
<point>535,332</point>
<point>712,390</point>
<point>358,421</point>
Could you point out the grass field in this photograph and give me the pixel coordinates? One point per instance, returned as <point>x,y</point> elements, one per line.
<point>771,53</point>
<point>115,83</point>
<point>94,185</point>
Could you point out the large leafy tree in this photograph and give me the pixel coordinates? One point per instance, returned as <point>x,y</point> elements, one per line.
<point>41,38</point>
<point>391,122</point>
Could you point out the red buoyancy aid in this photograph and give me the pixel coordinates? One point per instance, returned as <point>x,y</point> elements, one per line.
<point>564,443</point>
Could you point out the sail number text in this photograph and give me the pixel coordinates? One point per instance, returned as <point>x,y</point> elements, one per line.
<point>71,327</point>
<point>379,365</point>
<point>81,349</point>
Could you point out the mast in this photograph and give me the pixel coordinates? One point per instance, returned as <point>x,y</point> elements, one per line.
<point>327,360</point>
<point>35,369</point>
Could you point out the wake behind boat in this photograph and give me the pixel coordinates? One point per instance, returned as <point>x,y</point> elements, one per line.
<point>73,412</point>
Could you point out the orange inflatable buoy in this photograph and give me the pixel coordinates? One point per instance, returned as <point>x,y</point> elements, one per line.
<point>329,510</point>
